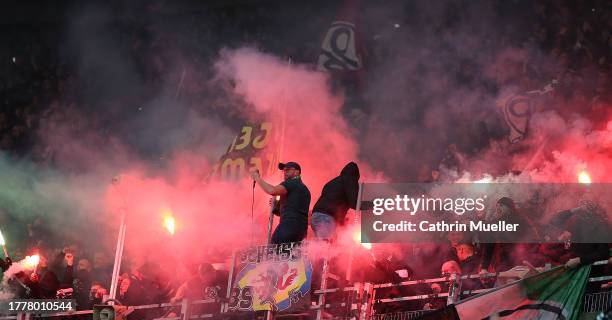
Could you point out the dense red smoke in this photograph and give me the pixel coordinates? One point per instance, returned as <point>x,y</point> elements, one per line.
<point>556,151</point>
<point>213,214</point>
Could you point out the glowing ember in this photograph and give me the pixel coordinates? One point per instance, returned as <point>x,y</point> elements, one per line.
<point>357,238</point>
<point>2,242</point>
<point>583,177</point>
<point>32,261</point>
<point>487,178</point>
<point>169,222</point>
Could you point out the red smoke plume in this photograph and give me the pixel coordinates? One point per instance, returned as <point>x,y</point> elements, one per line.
<point>212,214</point>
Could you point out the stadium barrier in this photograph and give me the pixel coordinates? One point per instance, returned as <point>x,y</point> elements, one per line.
<point>355,302</point>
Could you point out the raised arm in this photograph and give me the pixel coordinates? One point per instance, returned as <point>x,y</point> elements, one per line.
<point>278,190</point>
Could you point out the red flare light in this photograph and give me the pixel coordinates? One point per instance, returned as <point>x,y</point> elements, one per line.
<point>32,261</point>
<point>169,222</point>
<point>357,238</point>
<point>583,177</point>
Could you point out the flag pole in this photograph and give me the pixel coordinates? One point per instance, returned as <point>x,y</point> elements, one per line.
<point>349,269</point>
<point>180,84</point>
<point>280,152</point>
<point>536,155</point>
<point>283,119</point>
<point>269,314</point>
<point>120,245</point>
<point>118,257</point>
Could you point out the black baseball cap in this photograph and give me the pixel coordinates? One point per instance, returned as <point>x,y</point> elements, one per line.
<point>295,165</point>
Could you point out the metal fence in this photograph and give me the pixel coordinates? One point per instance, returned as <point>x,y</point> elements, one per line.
<point>406,315</point>
<point>595,302</point>
<point>355,302</point>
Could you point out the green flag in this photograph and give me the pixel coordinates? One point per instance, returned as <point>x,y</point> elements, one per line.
<point>555,294</point>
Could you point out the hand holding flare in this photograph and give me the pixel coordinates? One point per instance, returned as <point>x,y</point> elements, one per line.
<point>31,262</point>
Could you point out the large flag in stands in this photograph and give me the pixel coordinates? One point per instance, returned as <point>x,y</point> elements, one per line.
<point>551,295</point>
<point>517,109</point>
<point>256,146</point>
<point>342,51</point>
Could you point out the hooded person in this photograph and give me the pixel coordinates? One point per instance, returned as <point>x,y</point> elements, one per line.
<point>578,227</point>
<point>338,195</point>
<point>503,251</point>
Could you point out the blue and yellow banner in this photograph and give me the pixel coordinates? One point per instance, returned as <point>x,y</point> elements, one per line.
<point>274,277</point>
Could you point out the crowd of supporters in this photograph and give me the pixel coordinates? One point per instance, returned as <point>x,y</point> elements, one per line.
<point>86,276</point>
<point>465,253</point>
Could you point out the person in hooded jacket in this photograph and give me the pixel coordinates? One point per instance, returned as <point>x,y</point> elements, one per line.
<point>502,251</point>
<point>338,195</point>
<point>578,226</point>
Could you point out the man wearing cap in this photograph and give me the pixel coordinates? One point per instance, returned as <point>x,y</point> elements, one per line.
<point>294,203</point>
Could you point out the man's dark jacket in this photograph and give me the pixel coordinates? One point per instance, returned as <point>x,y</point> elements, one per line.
<point>340,193</point>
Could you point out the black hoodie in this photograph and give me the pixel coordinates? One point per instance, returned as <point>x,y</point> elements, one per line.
<point>585,226</point>
<point>340,193</point>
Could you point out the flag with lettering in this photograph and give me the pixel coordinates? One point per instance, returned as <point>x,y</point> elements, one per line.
<point>256,146</point>
<point>273,277</point>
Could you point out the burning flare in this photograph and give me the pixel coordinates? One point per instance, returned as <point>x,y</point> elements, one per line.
<point>487,178</point>
<point>357,238</point>
<point>583,177</point>
<point>32,261</point>
<point>169,222</point>
<point>3,244</point>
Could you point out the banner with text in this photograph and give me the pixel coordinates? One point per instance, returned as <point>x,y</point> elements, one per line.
<point>256,146</point>
<point>273,277</point>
